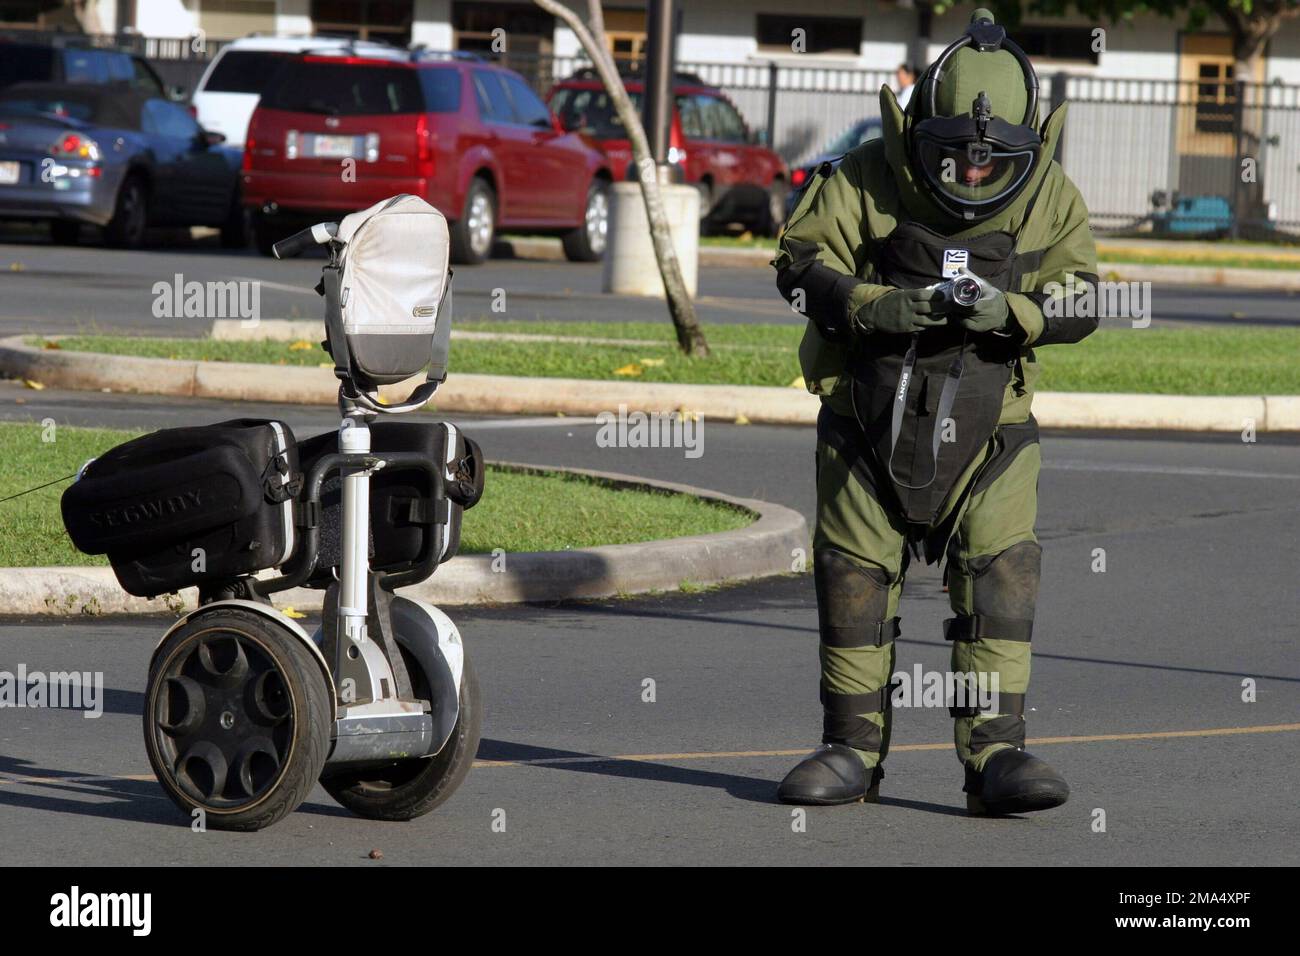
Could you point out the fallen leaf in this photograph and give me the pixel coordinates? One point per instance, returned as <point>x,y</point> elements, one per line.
<point>632,368</point>
<point>741,420</point>
<point>33,385</point>
<point>652,362</point>
<point>301,346</point>
<point>16,267</point>
<point>294,613</point>
<point>47,344</point>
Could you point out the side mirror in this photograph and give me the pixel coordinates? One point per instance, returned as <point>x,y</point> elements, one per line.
<point>177,94</point>
<point>209,137</point>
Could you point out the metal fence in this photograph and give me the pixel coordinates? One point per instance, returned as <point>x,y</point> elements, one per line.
<point>1164,157</point>
<point>1153,156</point>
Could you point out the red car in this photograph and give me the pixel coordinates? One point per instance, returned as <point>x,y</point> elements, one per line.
<point>740,180</point>
<point>336,133</point>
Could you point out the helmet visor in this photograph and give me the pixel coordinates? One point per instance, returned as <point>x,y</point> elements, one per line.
<point>974,175</point>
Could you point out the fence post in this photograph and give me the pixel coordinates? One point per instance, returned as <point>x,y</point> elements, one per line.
<point>1055,97</point>
<point>1238,151</point>
<point>771,104</point>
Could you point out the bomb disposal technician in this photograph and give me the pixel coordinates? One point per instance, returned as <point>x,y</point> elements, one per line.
<point>921,263</point>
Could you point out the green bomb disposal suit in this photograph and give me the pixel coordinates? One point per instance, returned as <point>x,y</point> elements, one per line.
<point>926,444</point>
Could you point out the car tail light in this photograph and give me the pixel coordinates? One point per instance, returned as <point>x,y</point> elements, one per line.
<point>73,146</point>
<point>249,145</point>
<point>291,144</point>
<point>797,177</point>
<point>423,148</point>
<point>372,147</point>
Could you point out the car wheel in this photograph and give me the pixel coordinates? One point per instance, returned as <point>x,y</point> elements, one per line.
<point>234,231</point>
<point>474,232</point>
<point>265,235</point>
<point>130,215</point>
<point>65,232</point>
<point>705,188</point>
<point>587,243</point>
<point>773,217</point>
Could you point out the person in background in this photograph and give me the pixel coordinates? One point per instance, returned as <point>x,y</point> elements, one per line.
<point>905,76</point>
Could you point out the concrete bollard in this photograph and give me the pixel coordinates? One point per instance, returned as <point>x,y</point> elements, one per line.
<point>630,265</point>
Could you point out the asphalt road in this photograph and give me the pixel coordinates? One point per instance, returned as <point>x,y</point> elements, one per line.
<point>51,289</point>
<point>1137,684</point>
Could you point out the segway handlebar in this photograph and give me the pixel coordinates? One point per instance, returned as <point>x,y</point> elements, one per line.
<point>300,242</point>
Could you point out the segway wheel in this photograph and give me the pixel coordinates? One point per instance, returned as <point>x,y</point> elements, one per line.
<point>236,719</point>
<point>411,788</point>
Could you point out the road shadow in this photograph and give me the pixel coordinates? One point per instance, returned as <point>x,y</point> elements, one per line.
<point>133,801</point>
<point>748,789</point>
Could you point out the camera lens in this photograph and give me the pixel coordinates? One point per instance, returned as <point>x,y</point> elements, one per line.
<point>965,291</point>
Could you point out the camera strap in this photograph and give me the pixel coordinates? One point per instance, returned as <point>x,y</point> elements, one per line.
<point>947,398</point>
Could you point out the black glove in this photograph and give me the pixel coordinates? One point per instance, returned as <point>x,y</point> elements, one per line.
<point>900,312</point>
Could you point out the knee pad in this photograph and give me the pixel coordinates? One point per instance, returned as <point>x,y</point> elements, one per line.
<point>852,601</point>
<point>1004,590</point>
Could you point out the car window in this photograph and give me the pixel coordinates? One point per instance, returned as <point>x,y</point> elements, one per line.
<point>344,89</point>
<point>144,78</point>
<point>85,66</point>
<point>26,64</point>
<point>119,67</point>
<point>441,87</point>
<point>721,121</point>
<point>590,112</point>
<point>688,111</point>
<point>528,107</point>
<point>164,118</point>
<point>244,71</point>
<point>493,103</point>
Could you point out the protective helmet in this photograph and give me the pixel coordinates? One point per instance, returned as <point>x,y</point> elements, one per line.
<point>972,141</point>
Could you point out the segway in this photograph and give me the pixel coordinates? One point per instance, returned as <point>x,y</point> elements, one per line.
<point>244,710</point>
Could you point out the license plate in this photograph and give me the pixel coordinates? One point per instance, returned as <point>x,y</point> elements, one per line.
<point>333,147</point>
<point>8,174</point>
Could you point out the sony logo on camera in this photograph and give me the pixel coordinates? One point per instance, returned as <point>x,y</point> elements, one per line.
<point>145,510</point>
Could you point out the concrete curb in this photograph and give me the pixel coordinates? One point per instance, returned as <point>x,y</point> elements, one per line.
<point>507,395</point>
<point>772,545</point>
<point>536,247</point>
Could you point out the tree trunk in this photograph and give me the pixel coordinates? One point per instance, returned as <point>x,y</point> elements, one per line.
<point>690,337</point>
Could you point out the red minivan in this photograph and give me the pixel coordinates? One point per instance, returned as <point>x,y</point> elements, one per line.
<point>740,179</point>
<point>336,133</point>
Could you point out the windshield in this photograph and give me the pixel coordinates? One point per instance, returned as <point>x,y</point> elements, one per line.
<point>590,112</point>
<point>344,89</point>
<point>29,105</point>
<point>855,135</point>
<point>244,71</point>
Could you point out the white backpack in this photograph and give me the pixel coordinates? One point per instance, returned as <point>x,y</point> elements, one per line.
<point>391,309</point>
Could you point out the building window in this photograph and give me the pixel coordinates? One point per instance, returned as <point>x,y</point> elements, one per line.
<point>524,28</point>
<point>384,20</point>
<point>819,34</point>
<point>1216,97</point>
<point>1072,44</point>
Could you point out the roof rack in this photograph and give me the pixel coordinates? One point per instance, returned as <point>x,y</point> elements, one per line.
<point>419,51</point>
<point>590,73</point>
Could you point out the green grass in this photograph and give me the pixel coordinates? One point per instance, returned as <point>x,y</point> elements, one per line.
<point>1171,361</point>
<point>1215,260</point>
<point>519,511</point>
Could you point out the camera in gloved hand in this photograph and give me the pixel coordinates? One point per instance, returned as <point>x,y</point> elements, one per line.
<point>977,305</point>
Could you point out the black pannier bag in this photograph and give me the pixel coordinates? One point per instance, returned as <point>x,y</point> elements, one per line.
<point>410,521</point>
<point>216,498</point>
